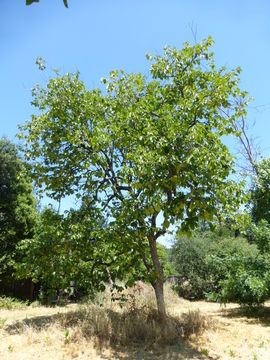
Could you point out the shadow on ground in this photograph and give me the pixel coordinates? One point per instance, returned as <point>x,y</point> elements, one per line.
<point>140,350</point>
<point>180,351</point>
<point>36,322</point>
<point>260,315</point>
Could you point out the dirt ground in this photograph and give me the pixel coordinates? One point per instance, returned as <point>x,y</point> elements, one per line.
<point>33,333</point>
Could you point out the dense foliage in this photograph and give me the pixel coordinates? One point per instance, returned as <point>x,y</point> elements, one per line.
<point>75,253</point>
<point>195,261</point>
<point>260,234</point>
<point>221,267</point>
<point>246,279</point>
<point>260,192</point>
<point>17,204</point>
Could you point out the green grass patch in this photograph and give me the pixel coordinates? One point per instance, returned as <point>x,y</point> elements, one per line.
<point>11,303</point>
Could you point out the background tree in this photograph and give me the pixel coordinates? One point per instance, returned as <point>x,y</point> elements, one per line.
<point>17,204</point>
<point>257,170</point>
<point>148,152</point>
<point>260,192</point>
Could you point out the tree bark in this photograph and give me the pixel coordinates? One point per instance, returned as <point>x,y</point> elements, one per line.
<point>158,282</point>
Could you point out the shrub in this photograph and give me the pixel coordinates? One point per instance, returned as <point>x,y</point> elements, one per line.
<point>206,263</point>
<point>247,280</point>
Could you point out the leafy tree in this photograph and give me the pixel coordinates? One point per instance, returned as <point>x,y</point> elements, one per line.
<point>260,193</point>
<point>260,234</point>
<point>30,2</point>
<point>148,148</point>
<point>17,204</point>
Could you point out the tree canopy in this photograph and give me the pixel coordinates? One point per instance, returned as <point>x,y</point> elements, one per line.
<point>147,152</point>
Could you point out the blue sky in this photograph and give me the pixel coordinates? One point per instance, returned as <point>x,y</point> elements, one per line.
<point>96,36</point>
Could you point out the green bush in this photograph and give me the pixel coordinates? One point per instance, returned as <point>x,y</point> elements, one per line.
<point>247,280</point>
<point>217,268</point>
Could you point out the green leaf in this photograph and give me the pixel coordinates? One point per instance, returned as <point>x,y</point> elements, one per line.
<point>29,2</point>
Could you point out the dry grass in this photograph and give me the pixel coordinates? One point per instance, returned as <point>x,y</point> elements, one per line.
<point>193,330</point>
<point>195,323</point>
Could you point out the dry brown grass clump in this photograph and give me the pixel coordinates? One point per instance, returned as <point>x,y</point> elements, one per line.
<point>123,328</point>
<point>134,319</point>
<point>195,323</point>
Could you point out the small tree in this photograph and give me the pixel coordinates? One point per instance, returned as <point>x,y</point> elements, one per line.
<point>148,152</point>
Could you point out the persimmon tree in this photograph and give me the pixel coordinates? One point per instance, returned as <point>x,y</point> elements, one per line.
<point>147,151</point>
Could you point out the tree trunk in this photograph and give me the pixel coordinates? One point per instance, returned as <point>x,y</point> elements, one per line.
<point>158,282</point>
<point>160,298</point>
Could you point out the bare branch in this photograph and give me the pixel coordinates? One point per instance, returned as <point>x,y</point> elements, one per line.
<point>249,149</point>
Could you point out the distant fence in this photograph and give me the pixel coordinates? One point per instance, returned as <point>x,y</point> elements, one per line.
<point>24,289</point>
<point>173,279</point>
